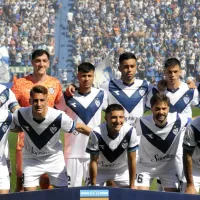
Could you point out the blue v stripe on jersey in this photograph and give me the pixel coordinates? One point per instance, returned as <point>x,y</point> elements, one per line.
<point>129,103</point>
<point>158,142</point>
<point>40,140</point>
<point>112,155</point>
<point>85,114</point>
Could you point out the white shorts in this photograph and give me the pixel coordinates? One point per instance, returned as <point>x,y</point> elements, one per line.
<point>168,178</point>
<point>121,179</point>
<point>53,165</point>
<point>77,171</point>
<point>4,175</point>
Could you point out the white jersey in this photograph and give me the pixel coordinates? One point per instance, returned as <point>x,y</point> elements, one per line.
<point>132,98</point>
<point>42,138</point>
<point>112,152</point>
<point>7,98</point>
<point>181,99</point>
<point>85,109</point>
<point>6,122</point>
<point>158,146</point>
<point>192,141</point>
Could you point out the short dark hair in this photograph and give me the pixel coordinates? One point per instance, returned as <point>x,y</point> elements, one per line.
<point>113,107</point>
<point>171,62</point>
<point>38,89</point>
<point>158,98</point>
<point>86,67</point>
<point>39,52</point>
<point>126,56</point>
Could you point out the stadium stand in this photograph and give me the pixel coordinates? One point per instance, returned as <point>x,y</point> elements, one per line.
<point>153,30</point>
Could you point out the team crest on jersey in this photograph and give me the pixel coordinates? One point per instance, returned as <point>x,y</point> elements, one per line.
<point>5,128</point>
<point>124,144</point>
<point>186,99</point>
<point>51,90</point>
<point>97,102</point>
<point>142,91</point>
<point>2,99</point>
<point>175,130</point>
<point>53,129</point>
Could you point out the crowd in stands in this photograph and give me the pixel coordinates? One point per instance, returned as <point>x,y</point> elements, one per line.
<point>152,29</point>
<point>26,25</point>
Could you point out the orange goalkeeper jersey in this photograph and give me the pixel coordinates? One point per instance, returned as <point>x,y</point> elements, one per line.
<point>21,88</point>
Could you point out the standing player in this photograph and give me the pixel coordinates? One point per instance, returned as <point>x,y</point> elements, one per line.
<point>112,148</point>
<point>191,157</point>
<point>160,136</point>
<point>21,88</point>
<point>180,95</point>
<point>85,107</point>
<point>42,152</point>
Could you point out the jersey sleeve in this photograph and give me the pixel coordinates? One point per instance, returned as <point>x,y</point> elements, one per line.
<point>12,101</point>
<point>59,97</point>
<point>92,146</point>
<point>189,142</point>
<point>105,101</point>
<point>15,117</point>
<point>133,143</point>
<point>67,124</point>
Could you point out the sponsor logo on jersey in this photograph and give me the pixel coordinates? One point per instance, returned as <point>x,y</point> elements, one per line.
<point>73,104</point>
<point>51,90</point>
<point>53,129</point>
<point>116,92</point>
<point>27,128</point>
<point>150,135</point>
<point>97,102</point>
<point>124,144</point>
<point>102,146</point>
<point>186,99</point>
<point>165,158</point>
<point>5,128</point>
<point>2,99</point>
<point>175,131</point>
<point>142,91</point>
<point>104,164</point>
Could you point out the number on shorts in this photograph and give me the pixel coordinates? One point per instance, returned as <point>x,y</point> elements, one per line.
<point>69,180</point>
<point>139,178</point>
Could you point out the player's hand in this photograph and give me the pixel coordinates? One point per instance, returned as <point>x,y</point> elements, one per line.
<point>70,90</point>
<point>192,85</point>
<point>133,187</point>
<point>162,85</point>
<point>190,189</point>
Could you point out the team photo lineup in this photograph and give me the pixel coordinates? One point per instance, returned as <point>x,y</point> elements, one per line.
<point>127,150</point>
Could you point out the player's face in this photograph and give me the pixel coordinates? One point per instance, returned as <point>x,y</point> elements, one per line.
<point>128,69</point>
<point>86,79</point>
<point>39,104</point>
<point>40,65</point>
<point>115,121</point>
<point>160,112</point>
<point>173,74</point>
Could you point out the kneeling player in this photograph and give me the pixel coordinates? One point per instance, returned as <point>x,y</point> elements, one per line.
<point>160,135</point>
<point>42,151</point>
<point>112,147</point>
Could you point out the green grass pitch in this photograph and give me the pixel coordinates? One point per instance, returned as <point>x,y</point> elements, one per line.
<point>12,143</point>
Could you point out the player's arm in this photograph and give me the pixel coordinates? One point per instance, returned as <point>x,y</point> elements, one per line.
<point>132,168</point>
<point>93,168</point>
<point>188,149</point>
<point>131,154</point>
<point>70,90</point>
<point>187,164</point>
<point>81,128</point>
